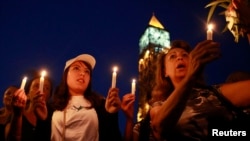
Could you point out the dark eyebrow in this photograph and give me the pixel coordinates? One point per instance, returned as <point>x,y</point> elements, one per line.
<point>172,52</point>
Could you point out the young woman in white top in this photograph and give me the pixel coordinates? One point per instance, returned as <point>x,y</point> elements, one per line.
<point>81,114</point>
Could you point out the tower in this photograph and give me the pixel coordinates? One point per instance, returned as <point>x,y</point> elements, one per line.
<point>154,40</point>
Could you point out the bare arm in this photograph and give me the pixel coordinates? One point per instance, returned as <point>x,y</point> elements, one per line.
<point>173,107</point>
<point>237,93</point>
<point>127,107</point>
<point>13,130</point>
<point>128,134</point>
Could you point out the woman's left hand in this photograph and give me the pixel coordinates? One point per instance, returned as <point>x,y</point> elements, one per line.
<point>113,102</point>
<point>127,105</point>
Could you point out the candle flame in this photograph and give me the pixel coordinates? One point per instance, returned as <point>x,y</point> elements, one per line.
<point>210,26</point>
<point>43,73</point>
<point>25,78</point>
<point>133,80</point>
<point>115,69</point>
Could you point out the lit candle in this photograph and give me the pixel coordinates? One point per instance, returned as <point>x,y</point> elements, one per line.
<point>23,83</point>
<point>43,73</point>
<point>133,86</point>
<point>210,32</point>
<point>114,77</point>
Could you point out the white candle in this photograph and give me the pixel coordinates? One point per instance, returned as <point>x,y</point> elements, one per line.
<point>23,83</point>
<point>133,86</point>
<point>43,73</point>
<point>114,75</point>
<point>210,32</point>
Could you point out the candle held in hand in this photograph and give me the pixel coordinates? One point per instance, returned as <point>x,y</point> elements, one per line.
<point>43,73</point>
<point>133,86</point>
<point>210,32</point>
<point>114,75</point>
<point>23,83</point>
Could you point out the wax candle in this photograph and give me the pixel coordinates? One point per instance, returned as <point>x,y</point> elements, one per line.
<point>210,32</point>
<point>43,73</point>
<point>114,75</point>
<point>23,83</point>
<point>133,86</point>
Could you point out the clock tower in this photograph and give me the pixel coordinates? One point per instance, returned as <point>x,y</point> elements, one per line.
<point>154,40</point>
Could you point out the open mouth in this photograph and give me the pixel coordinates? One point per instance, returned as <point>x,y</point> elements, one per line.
<point>180,66</point>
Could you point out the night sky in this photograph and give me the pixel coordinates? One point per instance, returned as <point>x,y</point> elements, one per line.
<point>44,35</point>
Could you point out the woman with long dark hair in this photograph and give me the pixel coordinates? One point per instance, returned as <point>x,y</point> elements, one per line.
<point>80,113</point>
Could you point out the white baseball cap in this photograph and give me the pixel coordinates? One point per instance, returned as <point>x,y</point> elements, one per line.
<point>83,57</point>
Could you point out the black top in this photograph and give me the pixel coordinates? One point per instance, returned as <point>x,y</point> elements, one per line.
<point>2,130</point>
<point>40,132</point>
<point>108,124</point>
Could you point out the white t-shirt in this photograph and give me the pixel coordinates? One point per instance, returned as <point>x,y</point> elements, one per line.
<point>81,123</point>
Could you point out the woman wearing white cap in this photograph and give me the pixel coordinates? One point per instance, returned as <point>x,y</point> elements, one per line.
<point>81,114</point>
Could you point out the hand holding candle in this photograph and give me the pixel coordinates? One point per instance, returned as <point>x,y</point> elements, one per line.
<point>23,83</point>
<point>133,86</point>
<point>210,32</point>
<point>113,85</point>
<point>43,73</point>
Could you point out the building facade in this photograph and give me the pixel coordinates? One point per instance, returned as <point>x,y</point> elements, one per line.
<point>154,40</point>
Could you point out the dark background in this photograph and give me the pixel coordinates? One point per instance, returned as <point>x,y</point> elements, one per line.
<point>36,35</point>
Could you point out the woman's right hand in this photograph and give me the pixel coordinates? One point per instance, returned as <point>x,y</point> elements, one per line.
<point>37,100</point>
<point>19,101</point>
<point>203,53</point>
<point>39,104</point>
<point>113,102</point>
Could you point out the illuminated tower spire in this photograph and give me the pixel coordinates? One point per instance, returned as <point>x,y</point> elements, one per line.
<point>154,40</point>
<point>154,34</point>
<point>155,22</point>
